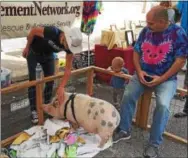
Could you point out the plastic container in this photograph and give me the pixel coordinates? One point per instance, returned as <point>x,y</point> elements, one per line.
<point>39,72</point>
<point>5,77</point>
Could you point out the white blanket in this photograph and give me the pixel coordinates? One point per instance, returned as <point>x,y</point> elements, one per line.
<point>38,145</point>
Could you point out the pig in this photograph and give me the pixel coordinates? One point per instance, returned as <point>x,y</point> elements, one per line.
<point>94,115</point>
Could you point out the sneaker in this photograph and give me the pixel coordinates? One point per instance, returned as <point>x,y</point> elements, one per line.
<point>180,114</point>
<point>150,152</point>
<point>121,135</point>
<point>34,117</point>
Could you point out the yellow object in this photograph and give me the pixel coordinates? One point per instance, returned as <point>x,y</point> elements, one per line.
<point>54,139</point>
<point>111,38</point>
<point>62,62</point>
<point>62,133</point>
<point>23,137</point>
<point>124,44</point>
<point>81,140</point>
<point>65,155</point>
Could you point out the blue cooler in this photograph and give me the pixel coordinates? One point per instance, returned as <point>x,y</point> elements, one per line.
<point>5,77</point>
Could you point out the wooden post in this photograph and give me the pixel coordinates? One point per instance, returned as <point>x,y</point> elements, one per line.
<point>90,75</point>
<point>39,101</point>
<point>143,109</point>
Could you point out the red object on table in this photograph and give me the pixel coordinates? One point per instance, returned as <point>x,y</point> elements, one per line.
<point>103,59</point>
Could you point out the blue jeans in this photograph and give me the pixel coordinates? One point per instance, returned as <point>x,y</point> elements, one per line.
<point>48,65</point>
<point>164,93</point>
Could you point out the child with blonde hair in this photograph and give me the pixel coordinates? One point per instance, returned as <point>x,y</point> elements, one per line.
<point>118,83</point>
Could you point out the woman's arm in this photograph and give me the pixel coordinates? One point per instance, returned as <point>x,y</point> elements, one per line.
<point>67,73</point>
<point>68,67</point>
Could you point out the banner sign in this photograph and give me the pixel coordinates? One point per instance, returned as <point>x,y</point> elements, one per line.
<point>17,18</point>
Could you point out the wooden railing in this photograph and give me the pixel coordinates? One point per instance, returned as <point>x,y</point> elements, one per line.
<point>142,108</point>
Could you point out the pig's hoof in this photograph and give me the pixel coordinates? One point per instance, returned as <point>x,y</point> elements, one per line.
<point>102,143</point>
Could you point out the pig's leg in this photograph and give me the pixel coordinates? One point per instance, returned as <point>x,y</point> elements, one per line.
<point>104,138</point>
<point>105,130</point>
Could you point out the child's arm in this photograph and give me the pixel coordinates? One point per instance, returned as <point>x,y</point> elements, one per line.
<point>125,71</point>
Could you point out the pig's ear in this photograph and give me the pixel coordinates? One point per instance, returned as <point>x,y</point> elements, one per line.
<point>55,102</point>
<point>51,110</point>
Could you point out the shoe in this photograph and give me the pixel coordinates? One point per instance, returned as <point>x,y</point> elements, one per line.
<point>34,117</point>
<point>151,152</point>
<point>120,135</point>
<point>180,114</point>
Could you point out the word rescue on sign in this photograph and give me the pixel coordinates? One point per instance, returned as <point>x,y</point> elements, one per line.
<point>17,18</point>
<point>28,26</point>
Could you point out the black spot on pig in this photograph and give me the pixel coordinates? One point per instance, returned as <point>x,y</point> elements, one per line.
<point>89,111</point>
<point>92,104</point>
<point>96,113</point>
<point>102,111</point>
<point>114,114</point>
<point>101,103</point>
<point>103,123</point>
<point>110,124</point>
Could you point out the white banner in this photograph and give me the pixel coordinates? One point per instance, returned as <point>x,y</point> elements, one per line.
<point>17,18</point>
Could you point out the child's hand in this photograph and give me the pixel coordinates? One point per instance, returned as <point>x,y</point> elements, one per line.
<point>109,68</point>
